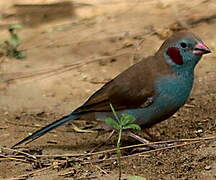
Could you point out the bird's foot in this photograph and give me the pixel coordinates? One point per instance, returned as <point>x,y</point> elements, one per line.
<point>154,146</point>
<point>142,140</point>
<point>138,138</point>
<point>104,142</point>
<point>78,130</point>
<point>149,145</point>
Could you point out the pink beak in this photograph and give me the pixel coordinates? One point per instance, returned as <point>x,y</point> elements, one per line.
<point>201,49</point>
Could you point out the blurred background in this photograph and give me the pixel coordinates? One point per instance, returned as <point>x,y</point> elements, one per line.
<point>73,47</point>
<point>55,53</point>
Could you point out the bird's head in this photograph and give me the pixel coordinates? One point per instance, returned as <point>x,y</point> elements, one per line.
<point>183,50</point>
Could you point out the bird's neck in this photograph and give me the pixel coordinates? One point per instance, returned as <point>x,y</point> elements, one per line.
<point>176,87</point>
<point>185,74</point>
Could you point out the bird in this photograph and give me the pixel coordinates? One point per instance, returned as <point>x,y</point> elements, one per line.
<point>151,90</point>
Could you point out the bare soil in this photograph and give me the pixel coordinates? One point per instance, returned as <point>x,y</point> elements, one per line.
<point>72,55</point>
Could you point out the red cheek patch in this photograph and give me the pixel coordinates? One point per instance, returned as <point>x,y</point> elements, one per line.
<point>175,55</point>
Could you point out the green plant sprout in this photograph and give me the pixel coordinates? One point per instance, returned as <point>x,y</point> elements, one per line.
<point>120,123</point>
<point>10,47</point>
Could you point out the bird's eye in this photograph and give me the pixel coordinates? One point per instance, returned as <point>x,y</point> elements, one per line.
<point>183,45</point>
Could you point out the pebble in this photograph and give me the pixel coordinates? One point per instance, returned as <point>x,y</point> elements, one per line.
<point>200,131</point>
<point>6,113</point>
<point>207,168</point>
<point>174,116</point>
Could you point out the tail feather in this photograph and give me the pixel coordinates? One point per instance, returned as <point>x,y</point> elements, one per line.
<point>48,128</point>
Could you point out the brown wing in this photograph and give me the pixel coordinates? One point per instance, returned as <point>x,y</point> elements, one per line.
<point>130,89</point>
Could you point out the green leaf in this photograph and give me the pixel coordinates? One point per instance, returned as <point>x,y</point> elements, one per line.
<point>132,126</point>
<point>20,54</point>
<point>14,41</point>
<point>127,119</point>
<point>113,123</point>
<point>135,178</point>
<point>15,26</point>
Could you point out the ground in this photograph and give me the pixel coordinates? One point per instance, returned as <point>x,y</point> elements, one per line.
<point>73,51</point>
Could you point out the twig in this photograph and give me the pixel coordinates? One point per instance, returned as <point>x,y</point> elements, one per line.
<point>30,173</point>
<point>101,170</point>
<point>127,147</point>
<point>12,158</point>
<point>203,19</point>
<point>188,142</point>
<point>25,125</point>
<point>84,178</point>
<point>17,151</point>
<point>65,174</point>
<point>142,153</point>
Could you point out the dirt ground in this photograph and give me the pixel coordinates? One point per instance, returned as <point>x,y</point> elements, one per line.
<point>72,50</point>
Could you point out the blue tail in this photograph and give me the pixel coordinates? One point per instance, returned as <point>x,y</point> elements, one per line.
<point>48,128</point>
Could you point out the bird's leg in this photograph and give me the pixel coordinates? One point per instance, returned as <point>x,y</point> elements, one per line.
<point>104,142</point>
<point>151,137</point>
<point>142,140</point>
<point>145,141</point>
<point>77,129</point>
<point>138,138</point>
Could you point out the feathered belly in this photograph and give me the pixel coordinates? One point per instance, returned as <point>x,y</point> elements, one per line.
<point>171,94</point>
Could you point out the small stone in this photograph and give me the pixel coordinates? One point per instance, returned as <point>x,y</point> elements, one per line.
<point>84,77</point>
<point>127,44</point>
<point>189,105</point>
<point>6,113</point>
<point>207,168</point>
<point>199,131</point>
<point>51,94</point>
<point>101,156</point>
<point>102,62</point>
<point>174,116</point>
<point>52,142</point>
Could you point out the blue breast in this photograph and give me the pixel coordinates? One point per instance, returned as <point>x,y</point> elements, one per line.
<point>171,93</point>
